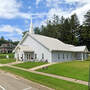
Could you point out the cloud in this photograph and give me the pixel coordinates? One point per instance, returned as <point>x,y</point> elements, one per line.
<point>81,12</point>
<point>38,1</point>
<point>53,3</point>
<point>11,32</point>
<point>10,29</point>
<point>56,11</point>
<point>15,38</point>
<point>81,9</point>
<point>50,3</point>
<point>10,9</point>
<point>29,7</point>
<point>79,1</point>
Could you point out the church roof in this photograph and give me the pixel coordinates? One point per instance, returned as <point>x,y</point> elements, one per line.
<point>51,44</point>
<point>56,45</point>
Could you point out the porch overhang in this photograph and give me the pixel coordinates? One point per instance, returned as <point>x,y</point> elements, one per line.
<point>25,48</point>
<point>25,51</point>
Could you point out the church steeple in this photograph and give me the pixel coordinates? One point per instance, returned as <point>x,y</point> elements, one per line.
<point>31,31</point>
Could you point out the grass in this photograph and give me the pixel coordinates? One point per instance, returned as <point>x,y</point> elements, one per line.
<point>5,61</point>
<point>57,84</point>
<point>28,65</point>
<point>3,56</point>
<point>88,58</point>
<point>75,69</point>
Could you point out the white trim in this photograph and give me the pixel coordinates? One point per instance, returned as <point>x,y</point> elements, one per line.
<point>20,41</point>
<point>82,56</point>
<point>2,87</point>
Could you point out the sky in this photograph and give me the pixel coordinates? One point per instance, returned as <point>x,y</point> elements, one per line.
<point>15,15</point>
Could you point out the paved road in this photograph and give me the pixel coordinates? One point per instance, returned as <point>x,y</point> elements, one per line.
<point>11,82</point>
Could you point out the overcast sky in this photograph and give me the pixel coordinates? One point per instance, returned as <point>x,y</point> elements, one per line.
<point>15,14</point>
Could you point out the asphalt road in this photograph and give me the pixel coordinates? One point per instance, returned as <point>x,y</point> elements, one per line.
<point>11,82</point>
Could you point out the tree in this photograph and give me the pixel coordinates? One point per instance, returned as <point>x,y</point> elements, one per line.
<point>84,31</point>
<point>37,30</point>
<point>84,38</point>
<point>51,30</point>
<point>74,21</point>
<point>62,29</point>
<point>15,42</point>
<point>10,41</point>
<point>55,20</point>
<point>87,18</point>
<point>74,24</point>
<point>66,34</point>
<point>24,33</point>
<point>2,38</point>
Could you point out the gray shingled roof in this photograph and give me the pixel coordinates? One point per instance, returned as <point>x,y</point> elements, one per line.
<point>52,44</point>
<point>56,45</point>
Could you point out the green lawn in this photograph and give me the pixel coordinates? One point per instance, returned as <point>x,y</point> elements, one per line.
<point>5,61</point>
<point>28,65</point>
<point>74,69</point>
<point>3,56</point>
<point>57,84</point>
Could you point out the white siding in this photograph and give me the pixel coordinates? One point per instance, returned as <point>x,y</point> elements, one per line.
<point>38,48</point>
<point>18,54</point>
<point>64,56</point>
<point>78,56</point>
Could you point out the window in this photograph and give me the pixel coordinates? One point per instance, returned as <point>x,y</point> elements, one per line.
<point>71,55</point>
<point>67,56</point>
<point>35,56</point>
<point>42,56</point>
<point>63,55</point>
<point>29,56</point>
<point>58,56</point>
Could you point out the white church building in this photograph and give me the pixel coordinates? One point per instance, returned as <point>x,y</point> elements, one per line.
<point>34,47</point>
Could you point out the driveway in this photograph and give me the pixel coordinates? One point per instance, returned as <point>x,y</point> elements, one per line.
<point>11,82</point>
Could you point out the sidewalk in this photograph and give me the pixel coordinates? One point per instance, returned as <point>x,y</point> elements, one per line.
<point>62,77</point>
<point>52,75</point>
<point>41,66</point>
<point>11,63</point>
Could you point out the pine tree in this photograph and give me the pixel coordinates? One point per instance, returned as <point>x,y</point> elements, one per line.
<point>2,38</point>
<point>87,18</point>
<point>37,30</point>
<point>74,24</point>
<point>84,31</point>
